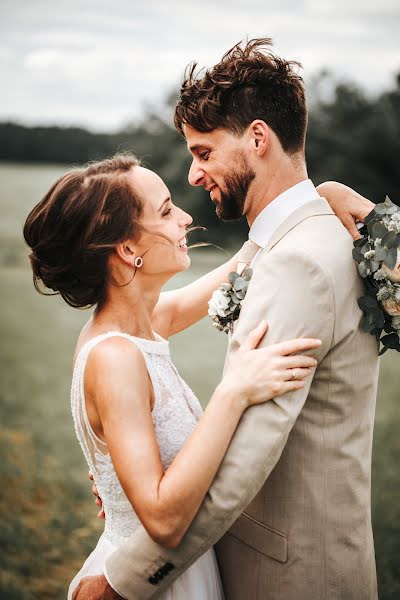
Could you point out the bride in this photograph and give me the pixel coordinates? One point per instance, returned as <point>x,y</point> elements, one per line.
<point>110,236</point>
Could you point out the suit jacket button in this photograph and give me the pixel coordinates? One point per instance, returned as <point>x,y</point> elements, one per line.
<point>153,580</point>
<point>169,566</point>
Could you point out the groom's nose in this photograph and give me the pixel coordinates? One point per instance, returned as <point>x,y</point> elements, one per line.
<point>196,174</point>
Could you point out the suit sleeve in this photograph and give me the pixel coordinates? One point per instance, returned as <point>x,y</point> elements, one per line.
<point>293,293</point>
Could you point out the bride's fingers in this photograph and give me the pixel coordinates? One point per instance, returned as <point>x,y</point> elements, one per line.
<point>298,361</point>
<point>297,345</point>
<point>296,374</point>
<point>255,336</point>
<point>292,386</point>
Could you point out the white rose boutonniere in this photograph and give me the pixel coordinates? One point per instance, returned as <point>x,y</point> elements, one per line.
<point>226,302</point>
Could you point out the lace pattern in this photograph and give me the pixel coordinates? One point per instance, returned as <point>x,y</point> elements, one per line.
<point>175,413</point>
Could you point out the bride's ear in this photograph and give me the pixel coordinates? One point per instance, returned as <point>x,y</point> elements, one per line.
<point>127,252</point>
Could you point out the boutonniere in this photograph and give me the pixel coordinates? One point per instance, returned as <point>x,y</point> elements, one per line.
<point>226,302</point>
<point>377,254</point>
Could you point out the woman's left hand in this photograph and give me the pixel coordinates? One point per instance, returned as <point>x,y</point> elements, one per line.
<point>349,206</point>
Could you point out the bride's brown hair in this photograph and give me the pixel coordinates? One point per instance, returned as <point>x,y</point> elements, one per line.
<point>75,227</point>
<point>250,82</point>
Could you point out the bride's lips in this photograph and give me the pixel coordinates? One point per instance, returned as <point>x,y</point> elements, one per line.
<point>182,244</point>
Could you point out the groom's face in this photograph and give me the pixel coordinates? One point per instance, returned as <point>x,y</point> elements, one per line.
<point>221,166</point>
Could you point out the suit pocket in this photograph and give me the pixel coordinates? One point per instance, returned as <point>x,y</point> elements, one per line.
<point>260,537</point>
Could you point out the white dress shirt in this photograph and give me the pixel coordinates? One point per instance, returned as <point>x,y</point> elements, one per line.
<point>273,215</point>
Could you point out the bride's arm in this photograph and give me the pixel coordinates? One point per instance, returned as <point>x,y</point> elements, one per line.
<point>118,396</point>
<point>348,204</point>
<point>178,309</point>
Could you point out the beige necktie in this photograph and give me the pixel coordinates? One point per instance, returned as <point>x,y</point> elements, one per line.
<point>246,255</point>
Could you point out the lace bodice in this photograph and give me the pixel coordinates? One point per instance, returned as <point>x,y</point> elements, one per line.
<point>175,413</point>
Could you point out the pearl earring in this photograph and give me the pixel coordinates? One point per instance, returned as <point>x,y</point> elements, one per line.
<point>138,262</point>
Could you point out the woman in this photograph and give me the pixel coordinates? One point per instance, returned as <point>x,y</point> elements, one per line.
<point>109,236</point>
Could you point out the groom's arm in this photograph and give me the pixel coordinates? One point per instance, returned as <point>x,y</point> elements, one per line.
<point>294,294</point>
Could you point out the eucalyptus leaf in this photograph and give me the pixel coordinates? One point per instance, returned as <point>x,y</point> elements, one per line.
<point>358,257</point>
<point>247,274</point>
<point>380,253</point>
<point>367,302</point>
<point>374,265</point>
<point>379,230</point>
<point>370,217</point>
<point>381,209</point>
<point>239,284</point>
<point>389,240</point>
<point>391,341</point>
<point>366,324</point>
<point>363,269</point>
<point>232,277</point>
<point>391,258</point>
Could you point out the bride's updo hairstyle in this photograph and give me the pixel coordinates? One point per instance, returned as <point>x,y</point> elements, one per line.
<point>75,227</point>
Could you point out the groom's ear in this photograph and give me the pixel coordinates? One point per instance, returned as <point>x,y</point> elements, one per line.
<point>259,136</point>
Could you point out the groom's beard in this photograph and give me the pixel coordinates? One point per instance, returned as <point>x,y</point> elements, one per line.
<point>237,183</point>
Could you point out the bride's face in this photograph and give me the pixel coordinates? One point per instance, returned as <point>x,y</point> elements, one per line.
<point>163,241</point>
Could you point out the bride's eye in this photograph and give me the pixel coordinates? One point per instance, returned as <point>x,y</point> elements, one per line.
<point>167,212</point>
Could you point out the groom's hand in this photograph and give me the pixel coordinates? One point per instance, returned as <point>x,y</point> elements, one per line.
<point>95,588</point>
<point>98,501</point>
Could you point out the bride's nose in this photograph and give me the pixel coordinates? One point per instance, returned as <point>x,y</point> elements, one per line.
<point>186,219</point>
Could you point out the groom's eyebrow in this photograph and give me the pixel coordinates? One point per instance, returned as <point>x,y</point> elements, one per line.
<point>165,202</point>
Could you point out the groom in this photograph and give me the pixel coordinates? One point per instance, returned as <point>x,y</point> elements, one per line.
<point>291,501</point>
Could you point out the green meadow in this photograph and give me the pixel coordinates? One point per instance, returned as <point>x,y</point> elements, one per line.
<point>48,521</point>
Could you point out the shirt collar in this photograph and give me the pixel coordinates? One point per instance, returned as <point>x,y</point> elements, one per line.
<point>279,209</point>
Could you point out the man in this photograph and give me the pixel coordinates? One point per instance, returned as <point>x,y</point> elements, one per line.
<point>292,495</point>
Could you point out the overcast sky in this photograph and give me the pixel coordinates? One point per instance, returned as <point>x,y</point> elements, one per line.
<point>101,63</point>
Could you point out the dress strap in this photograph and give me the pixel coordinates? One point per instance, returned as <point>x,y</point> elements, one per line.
<point>90,443</point>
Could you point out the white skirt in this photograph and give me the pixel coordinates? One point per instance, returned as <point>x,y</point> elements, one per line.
<point>200,582</point>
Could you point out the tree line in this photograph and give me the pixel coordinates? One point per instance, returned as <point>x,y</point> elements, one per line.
<point>353,137</point>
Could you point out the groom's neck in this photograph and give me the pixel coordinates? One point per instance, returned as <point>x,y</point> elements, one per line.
<point>266,186</point>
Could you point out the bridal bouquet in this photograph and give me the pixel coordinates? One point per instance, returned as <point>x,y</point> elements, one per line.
<point>226,302</point>
<point>377,255</point>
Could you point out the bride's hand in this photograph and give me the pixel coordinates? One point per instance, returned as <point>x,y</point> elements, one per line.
<point>348,205</point>
<point>256,375</point>
<point>101,514</point>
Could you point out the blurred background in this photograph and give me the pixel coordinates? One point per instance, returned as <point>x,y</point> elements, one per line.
<point>83,80</point>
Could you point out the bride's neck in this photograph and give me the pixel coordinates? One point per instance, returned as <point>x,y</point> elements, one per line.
<point>128,310</point>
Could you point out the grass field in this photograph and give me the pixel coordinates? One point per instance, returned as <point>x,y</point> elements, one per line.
<point>47,517</point>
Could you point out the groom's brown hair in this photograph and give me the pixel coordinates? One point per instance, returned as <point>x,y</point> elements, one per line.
<point>249,83</point>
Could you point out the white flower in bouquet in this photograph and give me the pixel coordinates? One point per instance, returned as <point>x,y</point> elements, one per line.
<point>219,303</point>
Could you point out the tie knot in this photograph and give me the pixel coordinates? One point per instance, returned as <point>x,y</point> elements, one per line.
<point>246,255</point>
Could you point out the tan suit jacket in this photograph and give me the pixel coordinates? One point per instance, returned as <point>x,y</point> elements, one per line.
<point>299,466</point>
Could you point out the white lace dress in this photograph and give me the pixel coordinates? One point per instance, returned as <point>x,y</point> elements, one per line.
<point>175,413</point>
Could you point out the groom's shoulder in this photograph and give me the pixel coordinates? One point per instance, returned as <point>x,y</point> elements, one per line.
<point>322,239</point>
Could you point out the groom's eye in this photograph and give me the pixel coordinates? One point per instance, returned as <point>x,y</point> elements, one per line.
<point>204,155</point>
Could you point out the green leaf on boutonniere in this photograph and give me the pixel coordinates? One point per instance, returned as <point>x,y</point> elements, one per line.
<point>232,277</point>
